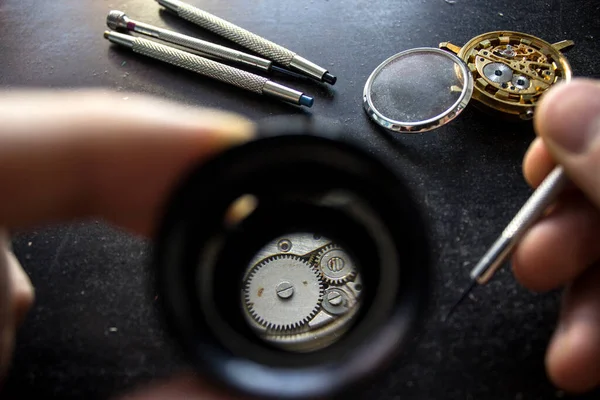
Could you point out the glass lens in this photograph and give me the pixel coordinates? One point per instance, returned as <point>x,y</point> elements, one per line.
<point>416,86</point>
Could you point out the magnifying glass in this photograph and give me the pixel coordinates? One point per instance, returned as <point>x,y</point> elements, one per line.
<point>417,90</point>
<point>315,287</point>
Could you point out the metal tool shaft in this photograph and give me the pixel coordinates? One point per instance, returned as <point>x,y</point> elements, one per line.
<point>118,19</point>
<point>531,211</point>
<point>242,79</point>
<point>241,36</point>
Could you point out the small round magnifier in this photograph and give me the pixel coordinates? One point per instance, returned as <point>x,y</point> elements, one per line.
<point>418,90</point>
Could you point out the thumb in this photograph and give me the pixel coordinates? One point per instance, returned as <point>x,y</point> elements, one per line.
<point>568,120</point>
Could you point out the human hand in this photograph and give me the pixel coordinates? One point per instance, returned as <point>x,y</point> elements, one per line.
<point>563,249</point>
<point>69,155</point>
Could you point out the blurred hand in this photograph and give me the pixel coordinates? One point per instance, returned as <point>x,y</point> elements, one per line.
<point>563,249</point>
<point>68,155</point>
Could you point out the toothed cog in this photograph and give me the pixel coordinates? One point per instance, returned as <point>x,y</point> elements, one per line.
<point>283,292</point>
<point>335,265</point>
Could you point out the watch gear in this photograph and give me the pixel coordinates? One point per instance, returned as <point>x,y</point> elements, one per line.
<point>283,292</point>
<point>511,70</point>
<point>335,265</point>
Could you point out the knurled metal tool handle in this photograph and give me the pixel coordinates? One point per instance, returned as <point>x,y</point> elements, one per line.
<point>212,69</point>
<point>231,31</point>
<point>212,49</point>
<point>179,58</point>
<point>224,73</point>
<point>119,20</point>
<point>241,36</point>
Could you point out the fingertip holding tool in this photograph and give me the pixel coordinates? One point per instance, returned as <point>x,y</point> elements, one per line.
<point>249,40</point>
<point>500,251</point>
<point>224,73</point>
<point>118,20</point>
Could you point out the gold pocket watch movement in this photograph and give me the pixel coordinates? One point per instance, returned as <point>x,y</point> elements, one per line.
<point>505,73</point>
<point>511,70</point>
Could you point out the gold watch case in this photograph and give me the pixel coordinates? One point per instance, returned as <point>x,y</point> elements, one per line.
<point>511,70</point>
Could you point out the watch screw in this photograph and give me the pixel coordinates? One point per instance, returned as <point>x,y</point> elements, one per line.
<point>334,298</point>
<point>285,290</point>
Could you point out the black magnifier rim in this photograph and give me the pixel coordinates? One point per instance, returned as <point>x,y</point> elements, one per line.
<point>200,201</point>
<point>360,246</point>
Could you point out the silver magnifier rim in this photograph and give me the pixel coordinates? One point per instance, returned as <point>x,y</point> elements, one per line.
<point>425,125</point>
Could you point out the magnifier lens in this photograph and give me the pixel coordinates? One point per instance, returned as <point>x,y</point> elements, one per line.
<point>416,87</point>
<point>296,290</point>
<point>301,292</point>
<point>418,90</point>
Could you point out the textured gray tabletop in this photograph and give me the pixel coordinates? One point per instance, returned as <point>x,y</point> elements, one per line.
<point>93,331</point>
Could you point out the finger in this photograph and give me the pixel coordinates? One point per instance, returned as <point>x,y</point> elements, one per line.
<point>537,163</point>
<point>15,302</point>
<point>7,326</point>
<point>72,154</point>
<point>186,387</point>
<point>568,120</point>
<point>560,246</point>
<point>21,290</point>
<point>574,352</point>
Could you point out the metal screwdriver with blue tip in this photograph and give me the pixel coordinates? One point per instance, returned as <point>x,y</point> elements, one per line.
<point>224,73</point>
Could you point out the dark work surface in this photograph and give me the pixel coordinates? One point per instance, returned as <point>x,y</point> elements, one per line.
<point>90,278</point>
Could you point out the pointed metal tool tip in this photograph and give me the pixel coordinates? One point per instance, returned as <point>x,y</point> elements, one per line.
<point>463,296</point>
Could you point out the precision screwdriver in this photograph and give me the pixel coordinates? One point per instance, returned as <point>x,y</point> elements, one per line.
<point>248,39</point>
<point>237,77</point>
<point>502,248</point>
<point>119,20</point>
